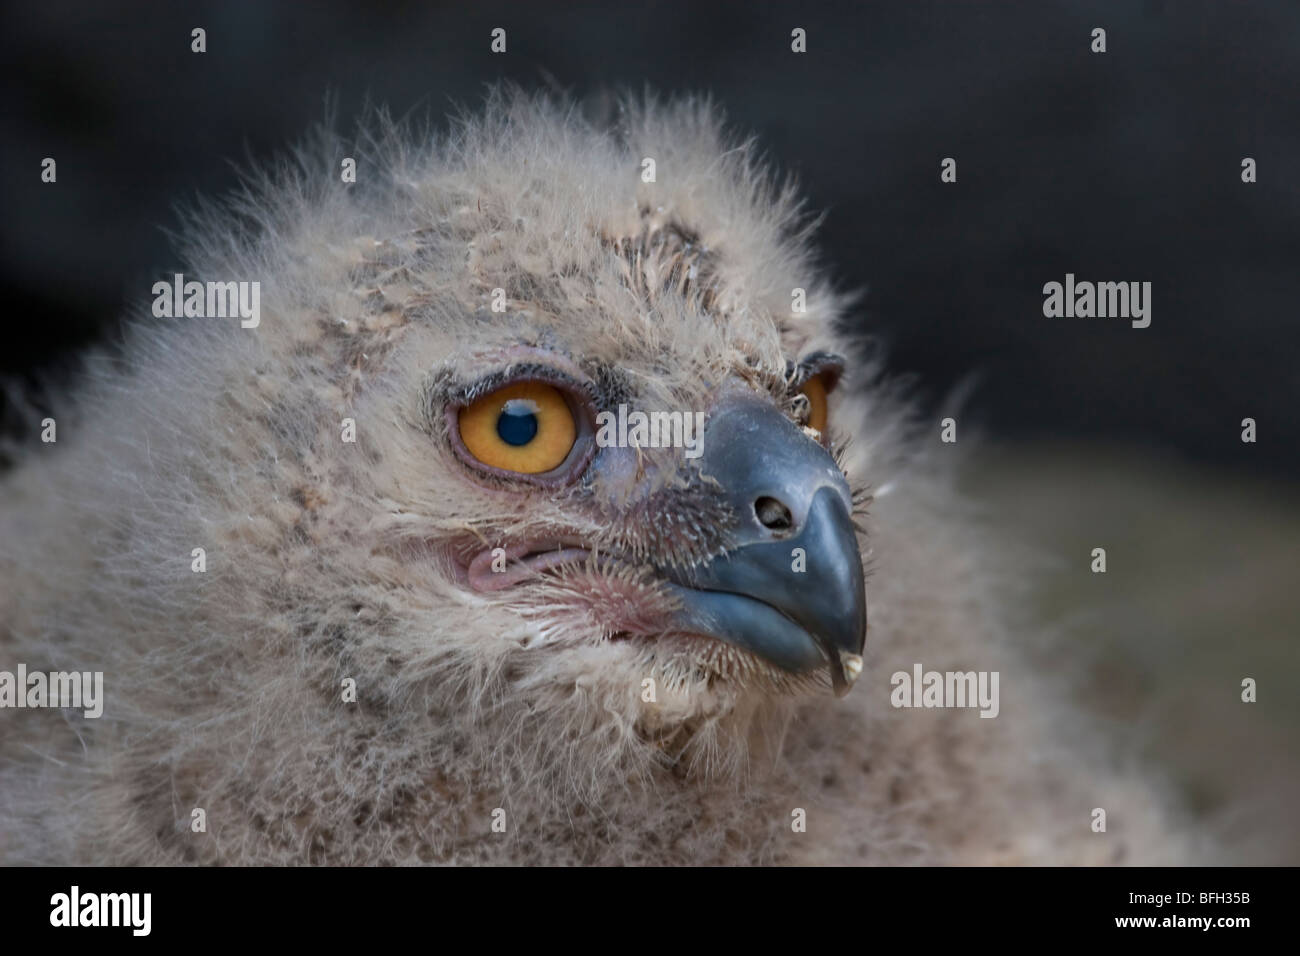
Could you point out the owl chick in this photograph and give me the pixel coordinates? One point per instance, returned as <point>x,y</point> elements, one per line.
<point>527,523</point>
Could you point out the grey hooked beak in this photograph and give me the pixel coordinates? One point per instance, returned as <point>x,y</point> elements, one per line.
<point>791,588</point>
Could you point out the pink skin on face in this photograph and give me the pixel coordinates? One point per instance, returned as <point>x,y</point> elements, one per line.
<point>522,561</point>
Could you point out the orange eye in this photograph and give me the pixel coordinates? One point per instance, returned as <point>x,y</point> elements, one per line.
<point>815,389</point>
<point>526,427</point>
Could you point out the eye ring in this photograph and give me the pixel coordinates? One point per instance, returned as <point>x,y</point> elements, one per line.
<point>552,450</point>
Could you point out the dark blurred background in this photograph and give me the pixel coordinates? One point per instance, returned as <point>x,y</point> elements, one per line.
<point>1122,166</point>
<point>1115,166</point>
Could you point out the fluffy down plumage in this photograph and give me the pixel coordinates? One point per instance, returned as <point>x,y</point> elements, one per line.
<point>329,560</point>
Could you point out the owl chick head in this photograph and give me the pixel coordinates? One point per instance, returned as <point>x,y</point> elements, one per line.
<point>548,411</point>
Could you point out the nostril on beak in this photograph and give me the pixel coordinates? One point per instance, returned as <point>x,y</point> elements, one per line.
<point>774,515</point>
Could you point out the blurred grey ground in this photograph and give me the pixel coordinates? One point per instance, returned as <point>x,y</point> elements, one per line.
<point>1202,589</point>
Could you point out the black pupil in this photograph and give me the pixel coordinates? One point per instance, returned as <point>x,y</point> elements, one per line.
<point>518,422</point>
